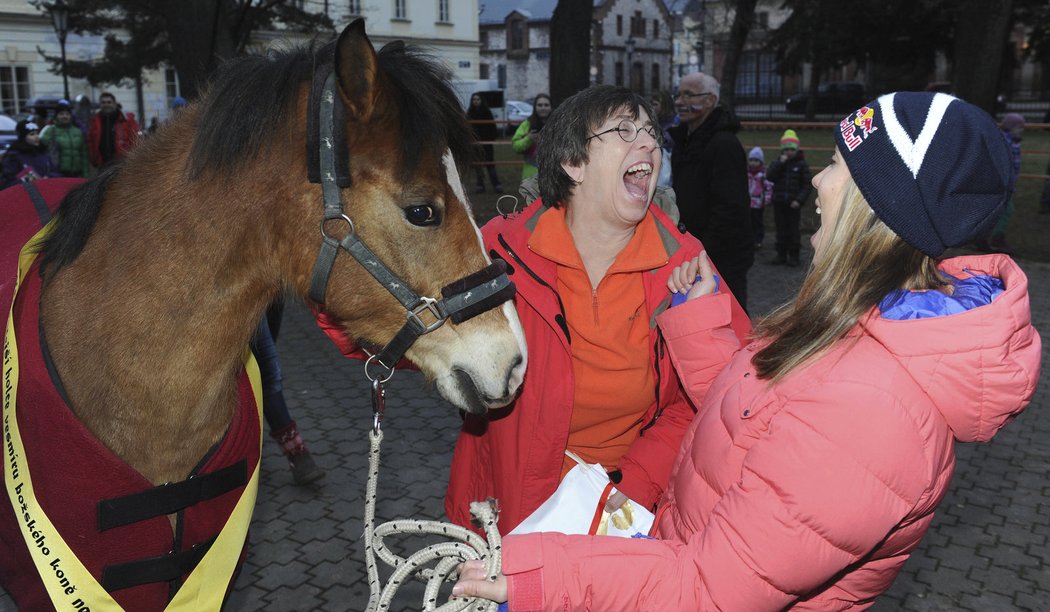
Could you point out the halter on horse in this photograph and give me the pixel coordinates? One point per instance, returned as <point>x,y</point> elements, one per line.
<point>157,271</point>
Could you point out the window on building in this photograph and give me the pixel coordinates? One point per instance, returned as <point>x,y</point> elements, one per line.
<point>656,28</point>
<point>171,83</point>
<point>619,25</point>
<point>354,7</point>
<point>517,37</point>
<point>762,20</point>
<point>443,10</point>
<point>483,71</point>
<point>637,78</point>
<point>655,78</point>
<point>484,39</point>
<point>14,88</point>
<point>400,9</point>
<point>501,76</point>
<point>638,25</point>
<point>618,73</point>
<point>757,77</point>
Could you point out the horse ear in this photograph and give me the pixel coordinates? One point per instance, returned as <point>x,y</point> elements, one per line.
<point>357,70</point>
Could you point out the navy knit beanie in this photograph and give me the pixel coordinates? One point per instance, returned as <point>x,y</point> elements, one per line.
<point>934,168</point>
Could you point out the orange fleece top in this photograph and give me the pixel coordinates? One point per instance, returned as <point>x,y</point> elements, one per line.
<point>614,382</point>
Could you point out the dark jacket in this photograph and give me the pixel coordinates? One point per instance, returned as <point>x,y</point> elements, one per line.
<point>791,179</point>
<point>709,174</point>
<point>24,162</point>
<point>482,131</point>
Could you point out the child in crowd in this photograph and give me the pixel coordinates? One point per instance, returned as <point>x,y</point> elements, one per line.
<point>790,177</point>
<point>761,191</point>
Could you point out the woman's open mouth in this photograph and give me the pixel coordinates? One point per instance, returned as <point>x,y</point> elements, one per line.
<point>636,179</point>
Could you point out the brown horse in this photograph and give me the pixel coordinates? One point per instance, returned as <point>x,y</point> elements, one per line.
<point>159,269</point>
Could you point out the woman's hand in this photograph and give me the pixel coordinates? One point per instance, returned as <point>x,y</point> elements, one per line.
<point>684,277</point>
<point>473,583</point>
<point>615,501</point>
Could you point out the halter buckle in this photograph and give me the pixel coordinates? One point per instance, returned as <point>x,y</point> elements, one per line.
<point>427,304</point>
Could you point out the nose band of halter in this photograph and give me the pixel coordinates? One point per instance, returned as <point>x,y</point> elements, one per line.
<point>468,298</point>
<point>461,299</point>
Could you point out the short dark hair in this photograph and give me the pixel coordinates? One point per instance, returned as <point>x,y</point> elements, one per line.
<point>568,128</point>
<point>106,94</point>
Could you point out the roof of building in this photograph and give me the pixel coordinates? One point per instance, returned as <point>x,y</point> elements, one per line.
<point>496,11</point>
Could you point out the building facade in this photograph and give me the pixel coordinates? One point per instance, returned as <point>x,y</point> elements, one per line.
<point>630,45</point>
<point>446,28</point>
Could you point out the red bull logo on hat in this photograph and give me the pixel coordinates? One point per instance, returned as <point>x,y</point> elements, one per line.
<point>857,127</point>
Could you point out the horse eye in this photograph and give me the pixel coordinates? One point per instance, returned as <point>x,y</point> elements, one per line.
<point>423,215</point>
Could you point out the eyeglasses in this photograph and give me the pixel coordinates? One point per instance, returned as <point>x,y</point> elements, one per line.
<point>686,94</point>
<point>628,131</point>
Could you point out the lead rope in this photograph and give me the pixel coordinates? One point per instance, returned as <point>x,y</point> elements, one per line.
<point>447,554</point>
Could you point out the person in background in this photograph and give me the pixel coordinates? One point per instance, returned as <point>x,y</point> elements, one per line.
<point>663,106</point>
<point>823,449</point>
<point>66,141</point>
<point>761,191</point>
<point>1012,127</point>
<point>484,130</point>
<point>283,429</point>
<point>39,116</point>
<point>1044,200</point>
<point>111,133</point>
<point>26,160</point>
<point>790,176</point>
<point>709,175</point>
<point>590,259</point>
<point>526,139</point>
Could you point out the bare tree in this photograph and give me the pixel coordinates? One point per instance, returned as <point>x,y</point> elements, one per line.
<point>743,20</point>
<point>981,30</point>
<point>570,50</point>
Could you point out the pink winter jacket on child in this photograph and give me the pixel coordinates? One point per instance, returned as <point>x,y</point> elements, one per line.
<point>810,493</point>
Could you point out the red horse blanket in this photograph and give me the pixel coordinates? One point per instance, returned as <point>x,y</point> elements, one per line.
<point>90,496</point>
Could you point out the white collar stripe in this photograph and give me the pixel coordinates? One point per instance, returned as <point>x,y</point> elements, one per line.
<point>913,153</point>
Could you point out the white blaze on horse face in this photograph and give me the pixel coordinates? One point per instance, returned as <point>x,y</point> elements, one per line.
<point>452,175</point>
<point>477,350</point>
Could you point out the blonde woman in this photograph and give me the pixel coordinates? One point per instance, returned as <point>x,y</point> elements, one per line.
<point>821,451</point>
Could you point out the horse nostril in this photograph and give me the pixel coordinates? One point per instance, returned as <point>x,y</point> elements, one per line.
<point>475,403</point>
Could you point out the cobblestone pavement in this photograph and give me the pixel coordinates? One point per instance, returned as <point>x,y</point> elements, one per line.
<point>987,549</point>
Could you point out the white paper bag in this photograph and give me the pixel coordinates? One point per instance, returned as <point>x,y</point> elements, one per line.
<point>578,507</point>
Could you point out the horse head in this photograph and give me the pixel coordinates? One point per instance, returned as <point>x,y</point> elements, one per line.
<point>404,133</point>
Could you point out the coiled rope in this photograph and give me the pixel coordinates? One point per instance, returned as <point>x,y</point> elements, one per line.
<point>447,554</point>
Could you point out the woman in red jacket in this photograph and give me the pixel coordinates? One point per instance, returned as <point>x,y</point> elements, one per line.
<point>590,260</point>
<point>821,451</point>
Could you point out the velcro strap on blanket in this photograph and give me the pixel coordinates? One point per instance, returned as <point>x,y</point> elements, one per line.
<point>164,568</point>
<point>170,498</point>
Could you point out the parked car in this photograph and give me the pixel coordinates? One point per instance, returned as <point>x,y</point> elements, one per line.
<point>834,97</point>
<point>517,111</point>
<point>7,132</point>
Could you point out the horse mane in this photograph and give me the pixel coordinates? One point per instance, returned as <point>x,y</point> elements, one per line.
<point>252,99</point>
<point>76,217</point>
<point>250,106</point>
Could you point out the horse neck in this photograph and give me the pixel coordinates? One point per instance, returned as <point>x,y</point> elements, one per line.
<point>175,277</point>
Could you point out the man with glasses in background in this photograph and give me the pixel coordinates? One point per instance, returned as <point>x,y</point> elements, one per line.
<point>709,175</point>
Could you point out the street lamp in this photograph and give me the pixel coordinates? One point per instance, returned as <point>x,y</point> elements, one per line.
<point>59,19</point>
<point>629,46</point>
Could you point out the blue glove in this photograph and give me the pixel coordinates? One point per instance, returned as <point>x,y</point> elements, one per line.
<point>679,298</point>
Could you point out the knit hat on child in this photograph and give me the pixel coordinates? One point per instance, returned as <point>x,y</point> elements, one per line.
<point>934,168</point>
<point>789,140</point>
<point>757,153</point>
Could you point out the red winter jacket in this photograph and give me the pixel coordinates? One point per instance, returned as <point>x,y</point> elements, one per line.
<point>515,454</point>
<point>127,133</point>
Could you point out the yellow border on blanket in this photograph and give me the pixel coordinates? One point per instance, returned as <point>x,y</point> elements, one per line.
<point>68,582</point>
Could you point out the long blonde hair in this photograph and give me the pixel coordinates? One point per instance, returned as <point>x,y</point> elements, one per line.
<point>862,260</point>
